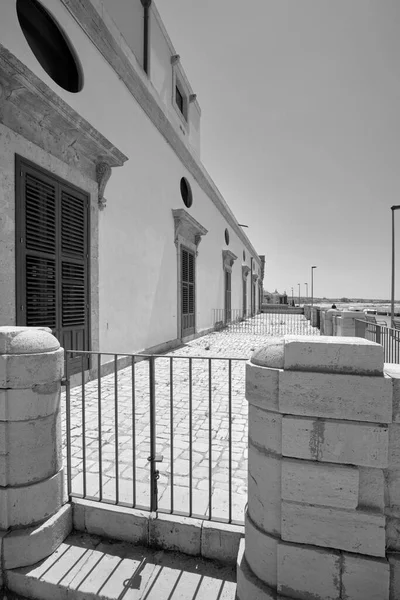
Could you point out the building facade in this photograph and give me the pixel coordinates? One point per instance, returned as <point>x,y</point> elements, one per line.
<point>112,232</point>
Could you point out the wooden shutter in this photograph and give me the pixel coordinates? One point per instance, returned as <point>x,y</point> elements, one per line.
<point>52,228</point>
<point>188,291</point>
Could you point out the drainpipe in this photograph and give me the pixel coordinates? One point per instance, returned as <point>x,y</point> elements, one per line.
<point>251,286</point>
<point>146,5</point>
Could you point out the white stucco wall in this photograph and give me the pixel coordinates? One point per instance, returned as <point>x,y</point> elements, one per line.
<point>137,255</point>
<point>128,17</point>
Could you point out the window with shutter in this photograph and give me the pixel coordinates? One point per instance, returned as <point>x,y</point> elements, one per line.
<point>52,263</point>
<point>188,291</point>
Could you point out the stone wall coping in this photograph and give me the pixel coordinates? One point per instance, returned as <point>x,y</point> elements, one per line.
<point>345,355</point>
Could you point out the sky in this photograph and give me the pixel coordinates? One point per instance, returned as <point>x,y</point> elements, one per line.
<point>300,131</point>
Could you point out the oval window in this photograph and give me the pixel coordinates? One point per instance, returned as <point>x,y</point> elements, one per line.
<point>227,237</point>
<point>186,192</point>
<point>50,45</point>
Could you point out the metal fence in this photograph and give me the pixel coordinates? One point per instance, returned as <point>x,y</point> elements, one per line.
<point>386,336</point>
<point>269,324</point>
<point>166,433</point>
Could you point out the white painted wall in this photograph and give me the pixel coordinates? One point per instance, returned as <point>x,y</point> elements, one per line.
<point>128,17</point>
<point>137,254</point>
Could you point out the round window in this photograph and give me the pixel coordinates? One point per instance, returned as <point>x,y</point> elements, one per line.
<point>50,45</point>
<point>186,192</point>
<point>227,237</point>
<point>244,255</point>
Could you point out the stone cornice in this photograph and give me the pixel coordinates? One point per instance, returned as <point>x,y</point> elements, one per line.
<point>187,227</point>
<point>97,31</point>
<point>29,107</point>
<point>228,258</point>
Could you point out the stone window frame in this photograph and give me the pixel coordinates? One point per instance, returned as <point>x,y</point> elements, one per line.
<point>187,233</point>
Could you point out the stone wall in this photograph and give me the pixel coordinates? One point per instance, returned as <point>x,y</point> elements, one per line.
<point>323,510</point>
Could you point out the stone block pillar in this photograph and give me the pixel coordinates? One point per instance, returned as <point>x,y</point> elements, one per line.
<point>324,473</point>
<point>34,517</point>
<point>328,320</point>
<point>314,316</point>
<point>307,311</point>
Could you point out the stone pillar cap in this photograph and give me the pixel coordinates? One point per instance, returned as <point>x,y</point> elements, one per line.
<point>319,353</point>
<point>27,340</point>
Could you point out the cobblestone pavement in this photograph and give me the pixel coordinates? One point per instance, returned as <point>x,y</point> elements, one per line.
<point>120,472</point>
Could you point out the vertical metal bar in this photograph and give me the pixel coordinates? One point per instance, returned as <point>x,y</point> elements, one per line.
<point>99,426</point>
<point>133,433</point>
<point>230,436</point>
<point>83,424</point>
<point>116,428</point>
<point>190,437</point>
<point>153,481</point>
<point>68,424</point>
<point>209,439</point>
<point>171,425</point>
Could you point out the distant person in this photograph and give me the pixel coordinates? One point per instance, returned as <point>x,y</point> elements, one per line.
<point>334,306</point>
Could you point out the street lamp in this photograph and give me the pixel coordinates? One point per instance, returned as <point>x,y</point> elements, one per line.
<point>306,284</point>
<point>292,298</point>
<point>312,285</point>
<point>299,293</point>
<point>392,208</point>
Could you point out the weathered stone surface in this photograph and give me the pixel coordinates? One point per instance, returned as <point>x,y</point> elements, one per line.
<point>394,562</point>
<point>333,354</point>
<point>271,355</point>
<point>24,405</point>
<point>261,553</point>
<point>340,442</point>
<point>349,397</point>
<point>179,534</point>
<point>305,572</point>
<point>248,584</point>
<point>371,493</point>
<point>262,386</point>
<point>393,474</point>
<point>27,340</point>
<point>316,483</point>
<point>264,490</point>
<point>28,370</point>
<point>354,531</point>
<point>26,505</point>
<point>220,542</point>
<point>364,578</point>
<point>23,547</point>
<point>392,370</point>
<point>113,522</point>
<point>265,429</point>
<point>30,451</point>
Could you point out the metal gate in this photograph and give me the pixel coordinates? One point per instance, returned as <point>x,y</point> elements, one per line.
<point>160,433</point>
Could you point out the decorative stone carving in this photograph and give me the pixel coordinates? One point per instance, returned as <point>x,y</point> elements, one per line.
<point>192,97</point>
<point>57,128</point>
<point>228,258</point>
<point>146,3</point>
<point>187,227</point>
<point>175,58</point>
<point>245,271</point>
<point>255,277</point>
<point>103,174</point>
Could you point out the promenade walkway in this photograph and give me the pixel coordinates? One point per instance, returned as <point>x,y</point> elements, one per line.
<point>187,461</point>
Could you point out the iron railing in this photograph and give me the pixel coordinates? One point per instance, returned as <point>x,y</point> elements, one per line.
<point>269,324</point>
<point>386,336</point>
<point>163,433</point>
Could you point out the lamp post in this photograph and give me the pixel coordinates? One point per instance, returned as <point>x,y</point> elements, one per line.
<point>306,284</point>
<point>312,285</point>
<point>292,298</point>
<point>299,293</point>
<point>392,208</point>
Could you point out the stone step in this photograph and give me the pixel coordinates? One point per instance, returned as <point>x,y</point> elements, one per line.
<point>87,567</point>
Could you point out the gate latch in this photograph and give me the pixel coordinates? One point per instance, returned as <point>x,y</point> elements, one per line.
<point>156,458</point>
